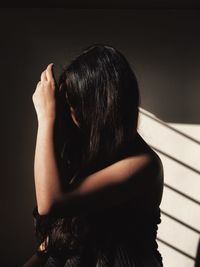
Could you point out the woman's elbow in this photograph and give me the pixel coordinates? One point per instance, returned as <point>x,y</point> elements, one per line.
<point>44,209</point>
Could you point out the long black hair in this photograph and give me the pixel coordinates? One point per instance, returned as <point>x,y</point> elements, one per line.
<point>101,87</point>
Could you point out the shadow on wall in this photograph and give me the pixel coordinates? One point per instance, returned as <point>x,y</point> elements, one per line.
<point>178,147</point>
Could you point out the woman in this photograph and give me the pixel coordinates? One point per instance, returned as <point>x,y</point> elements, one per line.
<point>98,184</point>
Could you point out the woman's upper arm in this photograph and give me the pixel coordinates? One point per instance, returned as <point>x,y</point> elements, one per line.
<point>110,186</point>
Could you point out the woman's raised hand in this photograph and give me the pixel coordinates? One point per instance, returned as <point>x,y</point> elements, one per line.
<point>44,96</point>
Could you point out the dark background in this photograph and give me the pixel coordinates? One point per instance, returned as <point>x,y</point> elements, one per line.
<point>162,43</point>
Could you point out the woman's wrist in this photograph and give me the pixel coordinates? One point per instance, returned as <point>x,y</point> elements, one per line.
<point>46,122</point>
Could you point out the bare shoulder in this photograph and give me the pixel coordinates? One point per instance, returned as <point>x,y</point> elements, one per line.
<point>148,163</point>
<point>151,172</point>
<point>157,162</point>
<point>145,176</point>
<point>153,159</point>
<point>143,161</point>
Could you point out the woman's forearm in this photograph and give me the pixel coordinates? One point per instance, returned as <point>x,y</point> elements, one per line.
<point>46,174</point>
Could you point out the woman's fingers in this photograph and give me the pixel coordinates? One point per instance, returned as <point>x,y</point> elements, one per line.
<point>43,76</point>
<point>44,97</point>
<point>49,73</point>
